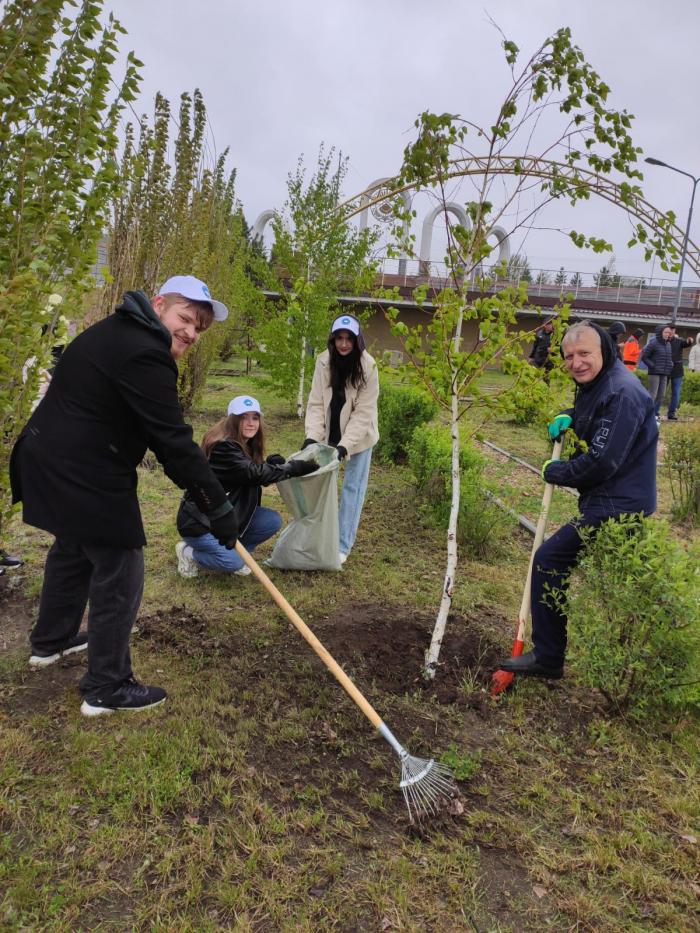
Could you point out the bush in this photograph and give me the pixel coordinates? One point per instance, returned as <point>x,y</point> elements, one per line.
<point>401,410</point>
<point>643,377</point>
<point>682,461</point>
<point>690,388</point>
<point>632,609</point>
<point>430,459</point>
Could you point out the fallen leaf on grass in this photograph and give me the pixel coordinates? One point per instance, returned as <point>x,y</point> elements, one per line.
<point>539,891</point>
<point>688,838</point>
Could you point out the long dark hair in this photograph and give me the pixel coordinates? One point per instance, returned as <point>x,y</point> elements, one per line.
<point>346,369</point>
<point>229,429</point>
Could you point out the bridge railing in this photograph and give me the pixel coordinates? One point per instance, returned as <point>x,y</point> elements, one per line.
<point>656,290</point>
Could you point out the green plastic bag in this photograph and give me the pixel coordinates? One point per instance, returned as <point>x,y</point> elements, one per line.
<point>310,540</point>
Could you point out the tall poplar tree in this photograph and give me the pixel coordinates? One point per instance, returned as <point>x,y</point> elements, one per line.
<point>59,115</point>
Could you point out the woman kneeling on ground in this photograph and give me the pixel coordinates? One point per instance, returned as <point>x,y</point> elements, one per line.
<point>235,447</point>
<point>342,412</point>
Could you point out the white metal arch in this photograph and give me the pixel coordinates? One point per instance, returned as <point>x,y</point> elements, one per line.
<point>604,187</point>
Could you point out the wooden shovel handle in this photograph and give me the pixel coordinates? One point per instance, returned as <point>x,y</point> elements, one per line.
<point>306,633</point>
<point>539,538</point>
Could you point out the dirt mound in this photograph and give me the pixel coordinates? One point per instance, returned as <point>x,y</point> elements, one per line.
<point>387,646</point>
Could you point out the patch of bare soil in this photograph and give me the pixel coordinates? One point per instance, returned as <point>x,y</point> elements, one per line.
<point>17,613</point>
<point>387,646</point>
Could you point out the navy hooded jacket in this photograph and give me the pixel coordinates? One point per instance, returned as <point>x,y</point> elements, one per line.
<point>614,416</point>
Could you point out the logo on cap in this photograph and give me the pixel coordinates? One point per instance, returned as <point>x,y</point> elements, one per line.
<point>248,402</point>
<point>206,291</point>
<point>345,320</point>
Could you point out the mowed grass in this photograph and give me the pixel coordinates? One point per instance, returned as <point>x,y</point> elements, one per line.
<point>259,798</point>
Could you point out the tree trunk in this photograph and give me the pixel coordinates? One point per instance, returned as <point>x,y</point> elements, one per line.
<point>433,652</point>
<point>302,370</point>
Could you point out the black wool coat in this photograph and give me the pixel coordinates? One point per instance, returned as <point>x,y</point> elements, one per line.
<point>113,396</point>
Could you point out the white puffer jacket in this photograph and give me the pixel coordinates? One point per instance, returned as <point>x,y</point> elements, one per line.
<point>694,357</point>
<point>358,416</point>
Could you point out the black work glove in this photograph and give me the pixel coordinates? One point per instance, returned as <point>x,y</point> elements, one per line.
<point>301,467</point>
<point>276,460</point>
<point>225,529</point>
<point>342,452</point>
<point>307,443</point>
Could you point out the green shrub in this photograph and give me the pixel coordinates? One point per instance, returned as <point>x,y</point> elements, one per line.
<point>632,609</point>
<point>690,388</point>
<point>479,523</point>
<point>682,462</point>
<point>401,410</point>
<point>643,377</point>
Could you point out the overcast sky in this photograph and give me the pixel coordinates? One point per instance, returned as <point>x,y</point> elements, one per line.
<point>279,77</point>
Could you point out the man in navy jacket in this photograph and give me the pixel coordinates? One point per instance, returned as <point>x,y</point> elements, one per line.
<point>615,475</point>
<point>113,396</point>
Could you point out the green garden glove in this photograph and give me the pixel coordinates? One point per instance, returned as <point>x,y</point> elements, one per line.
<point>559,426</point>
<point>545,465</point>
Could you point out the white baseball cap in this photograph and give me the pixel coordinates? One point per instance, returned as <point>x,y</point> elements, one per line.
<point>346,322</point>
<point>195,290</point>
<point>243,403</point>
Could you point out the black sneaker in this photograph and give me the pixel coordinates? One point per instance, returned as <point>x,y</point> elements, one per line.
<point>7,560</point>
<point>129,695</point>
<point>672,417</point>
<point>39,658</point>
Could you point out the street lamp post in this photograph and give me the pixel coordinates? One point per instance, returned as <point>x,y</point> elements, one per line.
<point>684,249</point>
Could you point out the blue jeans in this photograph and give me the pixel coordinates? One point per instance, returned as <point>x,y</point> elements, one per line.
<point>352,497</point>
<point>214,556</point>
<point>675,395</point>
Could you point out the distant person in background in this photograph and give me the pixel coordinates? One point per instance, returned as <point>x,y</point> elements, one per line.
<point>542,347</point>
<point>678,345</point>
<point>657,357</point>
<point>694,357</point>
<point>632,349</point>
<point>617,331</point>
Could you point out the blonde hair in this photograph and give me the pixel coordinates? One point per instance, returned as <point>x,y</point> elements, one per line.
<point>205,312</point>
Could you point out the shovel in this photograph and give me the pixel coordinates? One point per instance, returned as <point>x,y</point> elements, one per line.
<point>501,680</point>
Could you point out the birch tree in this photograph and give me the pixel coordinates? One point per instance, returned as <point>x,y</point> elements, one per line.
<point>554,138</point>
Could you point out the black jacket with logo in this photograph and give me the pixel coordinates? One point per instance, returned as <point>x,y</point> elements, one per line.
<point>113,396</point>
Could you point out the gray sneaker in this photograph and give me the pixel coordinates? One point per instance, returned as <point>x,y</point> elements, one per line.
<point>186,566</point>
<point>39,659</point>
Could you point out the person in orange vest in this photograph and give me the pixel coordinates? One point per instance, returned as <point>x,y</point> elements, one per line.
<point>632,349</point>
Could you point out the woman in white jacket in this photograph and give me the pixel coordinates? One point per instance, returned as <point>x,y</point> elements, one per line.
<point>694,358</point>
<point>342,412</point>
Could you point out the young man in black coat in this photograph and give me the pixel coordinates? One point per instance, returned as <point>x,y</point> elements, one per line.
<point>113,396</point>
<point>615,475</point>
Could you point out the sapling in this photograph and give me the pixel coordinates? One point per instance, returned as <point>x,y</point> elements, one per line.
<point>554,139</point>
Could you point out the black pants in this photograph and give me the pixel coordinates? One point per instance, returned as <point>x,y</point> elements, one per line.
<point>554,561</point>
<point>111,580</point>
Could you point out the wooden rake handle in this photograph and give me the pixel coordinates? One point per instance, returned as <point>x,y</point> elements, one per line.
<point>539,538</point>
<point>306,633</point>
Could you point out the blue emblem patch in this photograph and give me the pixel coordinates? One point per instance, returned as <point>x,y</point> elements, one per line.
<point>345,320</point>
<point>205,290</point>
<point>248,402</point>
